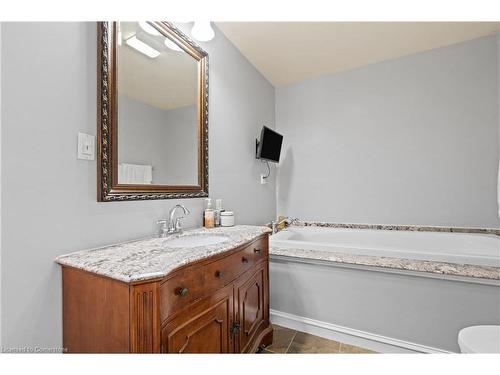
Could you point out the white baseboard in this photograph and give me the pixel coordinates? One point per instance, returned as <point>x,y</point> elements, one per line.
<point>371,341</point>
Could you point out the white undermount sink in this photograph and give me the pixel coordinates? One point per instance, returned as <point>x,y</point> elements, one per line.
<point>195,240</point>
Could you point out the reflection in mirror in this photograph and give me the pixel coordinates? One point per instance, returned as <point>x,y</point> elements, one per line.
<point>158,124</point>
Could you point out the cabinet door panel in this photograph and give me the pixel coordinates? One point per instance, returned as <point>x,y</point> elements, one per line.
<point>204,328</point>
<point>251,310</point>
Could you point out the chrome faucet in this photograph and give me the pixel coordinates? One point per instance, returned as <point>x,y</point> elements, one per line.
<point>172,226</point>
<point>275,223</point>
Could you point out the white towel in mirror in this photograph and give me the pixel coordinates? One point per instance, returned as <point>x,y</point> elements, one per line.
<point>135,174</point>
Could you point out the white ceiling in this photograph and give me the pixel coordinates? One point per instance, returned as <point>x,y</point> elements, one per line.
<point>287,52</point>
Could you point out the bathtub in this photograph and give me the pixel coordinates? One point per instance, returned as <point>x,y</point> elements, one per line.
<point>328,282</point>
<point>460,248</point>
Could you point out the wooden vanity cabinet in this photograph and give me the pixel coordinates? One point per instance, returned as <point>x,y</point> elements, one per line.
<point>252,314</point>
<point>205,328</point>
<point>218,305</point>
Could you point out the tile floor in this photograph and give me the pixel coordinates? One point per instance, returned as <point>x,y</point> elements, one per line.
<point>291,342</point>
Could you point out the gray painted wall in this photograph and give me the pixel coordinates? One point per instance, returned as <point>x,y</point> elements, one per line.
<point>498,103</point>
<point>408,141</point>
<point>49,197</point>
<point>0,183</point>
<point>165,139</point>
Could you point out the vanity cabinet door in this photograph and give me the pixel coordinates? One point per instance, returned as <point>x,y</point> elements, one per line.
<point>203,328</point>
<point>251,302</point>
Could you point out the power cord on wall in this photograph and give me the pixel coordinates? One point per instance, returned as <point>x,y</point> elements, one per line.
<point>268,169</point>
<point>263,177</point>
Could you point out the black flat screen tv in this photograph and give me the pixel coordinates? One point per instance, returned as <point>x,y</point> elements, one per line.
<point>269,145</point>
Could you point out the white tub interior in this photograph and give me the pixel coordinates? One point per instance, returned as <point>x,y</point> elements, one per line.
<point>461,248</point>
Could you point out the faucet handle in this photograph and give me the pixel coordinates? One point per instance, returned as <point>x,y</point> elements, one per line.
<point>164,227</point>
<point>178,225</point>
<point>163,222</point>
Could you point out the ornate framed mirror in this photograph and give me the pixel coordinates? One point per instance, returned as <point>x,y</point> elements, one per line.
<point>152,129</point>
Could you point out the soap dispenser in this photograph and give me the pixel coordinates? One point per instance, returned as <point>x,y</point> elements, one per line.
<point>207,202</point>
<point>209,215</point>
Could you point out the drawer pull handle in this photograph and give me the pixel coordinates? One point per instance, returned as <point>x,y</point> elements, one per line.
<point>219,274</point>
<point>182,292</point>
<point>256,250</point>
<point>235,329</point>
<point>244,260</point>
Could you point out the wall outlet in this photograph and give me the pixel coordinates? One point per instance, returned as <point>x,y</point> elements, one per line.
<point>263,179</point>
<point>86,146</point>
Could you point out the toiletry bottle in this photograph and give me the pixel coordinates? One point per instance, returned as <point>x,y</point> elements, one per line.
<point>217,211</point>
<point>209,215</point>
<point>207,203</point>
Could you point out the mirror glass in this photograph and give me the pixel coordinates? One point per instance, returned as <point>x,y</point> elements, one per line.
<point>157,107</point>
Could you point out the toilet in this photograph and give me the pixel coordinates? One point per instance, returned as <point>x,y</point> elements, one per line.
<point>479,339</point>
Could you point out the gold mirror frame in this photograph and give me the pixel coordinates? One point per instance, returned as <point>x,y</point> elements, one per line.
<point>108,188</point>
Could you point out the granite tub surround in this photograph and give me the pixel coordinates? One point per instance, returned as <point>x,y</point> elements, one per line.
<point>411,228</point>
<point>489,272</point>
<point>152,258</point>
<point>492,273</point>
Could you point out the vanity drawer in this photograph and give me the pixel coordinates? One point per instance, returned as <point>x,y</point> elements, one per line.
<point>179,291</point>
<point>193,283</point>
<point>259,249</point>
<point>223,271</point>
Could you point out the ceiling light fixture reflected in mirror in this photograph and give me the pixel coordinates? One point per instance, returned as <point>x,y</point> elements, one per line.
<point>172,45</point>
<point>148,28</point>
<point>142,47</point>
<point>202,31</point>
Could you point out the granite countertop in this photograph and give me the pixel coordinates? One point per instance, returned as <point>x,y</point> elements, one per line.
<point>467,270</point>
<point>152,258</point>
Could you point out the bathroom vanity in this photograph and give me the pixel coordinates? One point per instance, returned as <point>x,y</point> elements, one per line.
<point>163,295</point>
<point>205,291</point>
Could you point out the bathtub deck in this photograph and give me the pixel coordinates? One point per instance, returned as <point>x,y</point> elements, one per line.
<point>470,253</point>
<point>451,269</point>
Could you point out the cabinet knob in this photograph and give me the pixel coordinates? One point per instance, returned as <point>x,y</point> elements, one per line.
<point>256,250</point>
<point>244,260</point>
<point>182,292</point>
<point>235,329</point>
<point>219,274</point>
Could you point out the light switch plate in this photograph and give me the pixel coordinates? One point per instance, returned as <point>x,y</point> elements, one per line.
<point>86,146</point>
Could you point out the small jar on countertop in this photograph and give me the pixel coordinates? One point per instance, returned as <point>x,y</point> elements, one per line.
<point>227,218</point>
